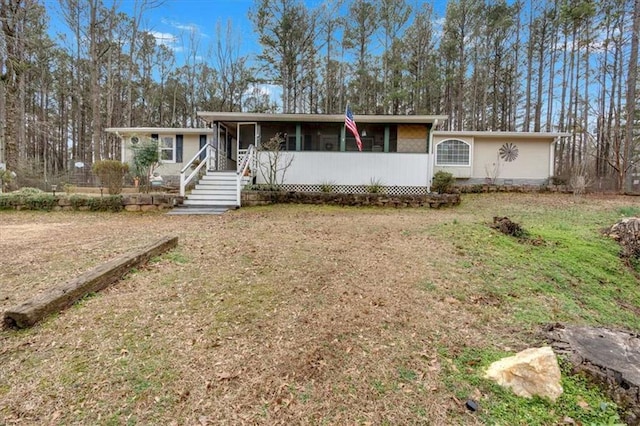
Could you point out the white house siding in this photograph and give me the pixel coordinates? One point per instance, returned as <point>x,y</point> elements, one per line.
<point>530,166</point>
<point>533,164</point>
<point>354,168</point>
<point>168,170</point>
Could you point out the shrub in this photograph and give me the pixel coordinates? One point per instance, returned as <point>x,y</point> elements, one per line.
<point>28,191</point>
<point>443,182</point>
<point>111,174</point>
<point>262,187</point>
<point>69,188</point>
<point>112,203</point>
<point>146,157</point>
<point>28,199</point>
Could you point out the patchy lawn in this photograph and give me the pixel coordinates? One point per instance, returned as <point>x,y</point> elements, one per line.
<point>301,314</point>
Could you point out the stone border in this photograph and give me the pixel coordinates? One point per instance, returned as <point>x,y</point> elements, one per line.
<point>85,202</point>
<point>260,198</point>
<point>490,188</point>
<point>96,279</point>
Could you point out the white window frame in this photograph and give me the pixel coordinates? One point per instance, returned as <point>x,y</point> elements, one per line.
<point>162,148</point>
<point>438,163</point>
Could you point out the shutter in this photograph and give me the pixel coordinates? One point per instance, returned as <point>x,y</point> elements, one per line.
<point>179,144</point>
<point>203,142</point>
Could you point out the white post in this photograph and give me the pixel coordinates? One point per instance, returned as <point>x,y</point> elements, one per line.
<point>212,161</point>
<point>432,157</point>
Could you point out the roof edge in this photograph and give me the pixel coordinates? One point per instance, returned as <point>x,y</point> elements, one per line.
<point>129,130</point>
<point>315,118</point>
<point>500,133</point>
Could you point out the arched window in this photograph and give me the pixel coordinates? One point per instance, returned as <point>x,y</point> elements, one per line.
<point>453,152</point>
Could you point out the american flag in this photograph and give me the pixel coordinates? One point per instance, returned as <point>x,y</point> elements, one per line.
<point>350,123</point>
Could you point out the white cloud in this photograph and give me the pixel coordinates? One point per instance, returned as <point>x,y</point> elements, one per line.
<point>165,39</point>
<point>188,27</point>
<point>270,90</point>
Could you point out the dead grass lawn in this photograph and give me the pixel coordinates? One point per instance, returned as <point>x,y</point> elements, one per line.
<point>278,315</point>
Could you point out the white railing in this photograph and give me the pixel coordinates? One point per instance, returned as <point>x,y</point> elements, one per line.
<point>246,159</point>
<point>209,160</point>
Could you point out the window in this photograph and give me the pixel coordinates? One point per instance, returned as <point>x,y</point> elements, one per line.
<point>167,149</point>
<point>452,153</point>
<point>134,140</point>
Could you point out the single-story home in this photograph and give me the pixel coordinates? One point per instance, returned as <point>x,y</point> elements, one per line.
<point>400,153</point>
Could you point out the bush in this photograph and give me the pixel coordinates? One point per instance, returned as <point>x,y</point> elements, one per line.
<point>111,174</point>
<point>28,199</point>
<point>443,182</point>
<point>112,203</point>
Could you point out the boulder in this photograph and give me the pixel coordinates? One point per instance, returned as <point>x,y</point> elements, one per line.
<point>534,371</point>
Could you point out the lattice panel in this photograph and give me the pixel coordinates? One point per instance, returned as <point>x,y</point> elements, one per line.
<point>357,189</point>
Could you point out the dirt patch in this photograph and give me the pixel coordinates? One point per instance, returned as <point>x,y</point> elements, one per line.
<point>276,315</point>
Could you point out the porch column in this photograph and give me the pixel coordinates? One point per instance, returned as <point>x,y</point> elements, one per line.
<point>298,137</point>
<point>343,140</point>
<point>212,155</point>
<point>386,138</point>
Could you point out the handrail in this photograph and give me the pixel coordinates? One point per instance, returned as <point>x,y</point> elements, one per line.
<point>185,181</point>
<point>242,169</point>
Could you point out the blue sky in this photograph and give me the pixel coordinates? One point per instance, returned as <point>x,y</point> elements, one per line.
<point>177,23</point>
<point>174,20</point>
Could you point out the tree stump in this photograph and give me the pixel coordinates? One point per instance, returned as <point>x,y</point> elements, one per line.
<point>609,358</point>
<point>508,227</point>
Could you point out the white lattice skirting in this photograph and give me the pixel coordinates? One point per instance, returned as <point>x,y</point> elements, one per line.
<point>357,189</point>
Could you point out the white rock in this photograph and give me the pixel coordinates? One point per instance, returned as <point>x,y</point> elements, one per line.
<point>531,372</point>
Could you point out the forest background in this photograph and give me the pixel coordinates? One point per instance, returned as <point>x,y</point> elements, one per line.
<point>566,66</point>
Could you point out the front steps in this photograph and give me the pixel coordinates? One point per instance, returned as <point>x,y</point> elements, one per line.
<point>215,193</point>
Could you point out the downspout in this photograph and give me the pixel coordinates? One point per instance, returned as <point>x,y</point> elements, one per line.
<point>552,156</point>
<point>122,147</point>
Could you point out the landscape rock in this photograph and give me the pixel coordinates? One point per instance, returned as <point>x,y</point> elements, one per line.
<point>610,358</point>
<point>534,371</point>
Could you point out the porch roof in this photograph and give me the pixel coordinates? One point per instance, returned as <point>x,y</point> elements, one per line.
<point>149,130</point>
<point>210,116</point>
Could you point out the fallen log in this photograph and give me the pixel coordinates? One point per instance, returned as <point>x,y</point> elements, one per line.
<point>96,279</point>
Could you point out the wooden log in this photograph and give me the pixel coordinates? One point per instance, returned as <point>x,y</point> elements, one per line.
<point>96,279</point>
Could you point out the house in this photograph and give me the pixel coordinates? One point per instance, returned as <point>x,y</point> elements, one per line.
<point>401,153</point>
<point>176,145</point>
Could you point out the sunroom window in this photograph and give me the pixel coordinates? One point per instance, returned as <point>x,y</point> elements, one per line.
<point>452,152</point>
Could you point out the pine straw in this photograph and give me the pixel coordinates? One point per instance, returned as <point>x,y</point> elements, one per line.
<point>279,315</point>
